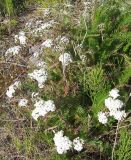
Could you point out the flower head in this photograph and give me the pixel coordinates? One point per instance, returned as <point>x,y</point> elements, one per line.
<point>78,144</point>
<point>40,75</point>
<point>102,117</point>
<point>22,102</point>
<point>113,104</point>
<point>118,115</point>
<point>65,59</point>
<point>42,108</point>
<point>114,93</point>
<point>12,88</point>
<point>47,44</point>
<point>21,38</point>
<point>63,143</point>
<point>13,50</point>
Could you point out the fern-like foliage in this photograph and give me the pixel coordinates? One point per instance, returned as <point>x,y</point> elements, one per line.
<point>124,151</point>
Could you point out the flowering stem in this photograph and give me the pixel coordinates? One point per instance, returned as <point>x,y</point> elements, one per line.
<point>64,77</point>
<point>116,135</point>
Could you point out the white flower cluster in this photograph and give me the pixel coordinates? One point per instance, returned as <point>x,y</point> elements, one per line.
<point>22,102</point>
<point>102,117</point>
<point>21,38</point>
<point>39,31</point>
<point>63,143</point>
<point>41,64</point>
<point>47,44</point>
<point>42,108</point>
<point>40,75</point>
<point>65,59</point>
<point>61,43</point>
<point>114,106</point>
<point>78,144</point>
<point>13,50</point>
<point>114,93</point>
<point>12,88</point>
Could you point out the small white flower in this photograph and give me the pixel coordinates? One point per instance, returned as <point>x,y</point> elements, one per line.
<point>62,143</point>
<point>37,112</point>
<point>118,115</point>
<point>50,106</point>
<point>113,104</point>
<point>47,44</point>
<point>21,38</point>
<point>12,88</point>
<point>13,50</point>
<point>65,59</point>
<point>78,144</point>
<point>42,108</point>
<point>23,102</point>
<point>114,93</point>
<point>40,30</point>
<point>102,117</point>
<point>40,76</point>
<point>10,92</point>
<point>41,64</point>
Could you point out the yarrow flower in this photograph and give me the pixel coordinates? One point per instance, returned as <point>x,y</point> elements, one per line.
<point>102,117</point>
<point>118,115</point>
<point>21,38</point>
<point>40,29</point>
<point>114,106</point>
<point>47,44</point>
<point>41,64</point>
<point>40,75</point>
<point>13,50</point>
<point>23,102</point>
<point>42,108</point>
<point>62,143</point>
<point>12,88</point>
<point>78,144</point>
<point>65,59</point>
<point>61,43</point>
<point>114,93</point>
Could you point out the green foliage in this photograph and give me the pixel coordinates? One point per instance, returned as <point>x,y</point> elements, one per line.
<point>3,30</point>
<point>125,76</point>
<point>98,102</point>
<point>7,7</point>
<point>123,151</point>
<point>94,81</point>
<point>79,94</point>
<point>29,86</point>
<point>12,7</point>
